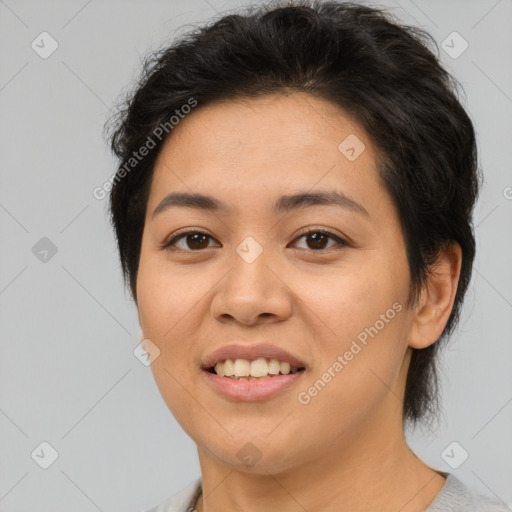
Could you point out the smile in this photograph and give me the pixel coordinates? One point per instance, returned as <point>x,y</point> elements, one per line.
<point>251,372</point>
<point>261,368</point>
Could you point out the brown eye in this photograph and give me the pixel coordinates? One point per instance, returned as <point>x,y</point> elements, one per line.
<point>197,241</point>
<point>189,241</point>
<point>318,240</point>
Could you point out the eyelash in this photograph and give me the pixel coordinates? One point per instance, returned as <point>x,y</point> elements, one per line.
<point>168,244</point>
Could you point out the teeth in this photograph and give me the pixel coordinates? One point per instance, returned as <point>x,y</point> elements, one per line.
<point>219,369</point>
<point>274,367</point>
<point>284,368</point>
<point>252,370</point>
<point>259,368</point>
<point>229,368</point>
<point>242,368</point>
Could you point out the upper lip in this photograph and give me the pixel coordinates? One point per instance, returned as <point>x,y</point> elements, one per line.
<point>250,352</point>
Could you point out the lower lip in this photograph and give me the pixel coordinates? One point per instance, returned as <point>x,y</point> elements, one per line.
<point>251,390</point>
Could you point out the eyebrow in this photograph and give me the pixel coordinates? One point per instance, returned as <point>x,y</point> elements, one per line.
<point>284,204</point>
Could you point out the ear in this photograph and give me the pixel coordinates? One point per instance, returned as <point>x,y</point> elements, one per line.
<point>436,301</point>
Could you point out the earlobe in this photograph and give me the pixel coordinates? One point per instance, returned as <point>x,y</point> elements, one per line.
<point>436,301</point>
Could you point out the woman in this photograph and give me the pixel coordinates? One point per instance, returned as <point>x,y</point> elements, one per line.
<point>293,211</point>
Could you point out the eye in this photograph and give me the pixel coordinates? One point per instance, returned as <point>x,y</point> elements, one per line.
<point>319,239</point>
<point>189,240</point>
<point>194,241</point>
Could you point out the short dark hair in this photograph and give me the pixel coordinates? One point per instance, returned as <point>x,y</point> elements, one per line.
<point>360,58</point>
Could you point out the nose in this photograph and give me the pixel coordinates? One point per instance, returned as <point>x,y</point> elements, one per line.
<point>252,293</point>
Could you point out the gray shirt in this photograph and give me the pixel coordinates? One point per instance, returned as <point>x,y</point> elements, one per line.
<point>453,497</point>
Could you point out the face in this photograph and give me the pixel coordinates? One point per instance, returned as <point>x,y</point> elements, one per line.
<point>265,272</point>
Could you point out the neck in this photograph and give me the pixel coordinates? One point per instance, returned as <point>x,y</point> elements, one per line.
<point>369,470</point>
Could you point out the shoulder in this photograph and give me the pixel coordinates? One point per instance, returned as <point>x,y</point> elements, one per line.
<point>453,497</point>
<point>457,497</point>
<point>182,501</point>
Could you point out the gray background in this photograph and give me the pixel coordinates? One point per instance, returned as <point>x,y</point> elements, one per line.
<point>68,375</point>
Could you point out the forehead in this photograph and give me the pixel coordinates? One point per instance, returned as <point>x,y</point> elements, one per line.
<point>266,146</point>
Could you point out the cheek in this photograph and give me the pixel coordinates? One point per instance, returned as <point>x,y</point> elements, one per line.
<point>358,330</point>
<point>357,376</point>
<point>343,301</point>
<point>170,310</point>
<point>164,296</point>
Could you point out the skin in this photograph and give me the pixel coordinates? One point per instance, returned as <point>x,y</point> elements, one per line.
<point>345,450</point>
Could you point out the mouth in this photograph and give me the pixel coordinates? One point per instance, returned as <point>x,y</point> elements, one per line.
<point>257,369</point>
<point>247,373</point>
